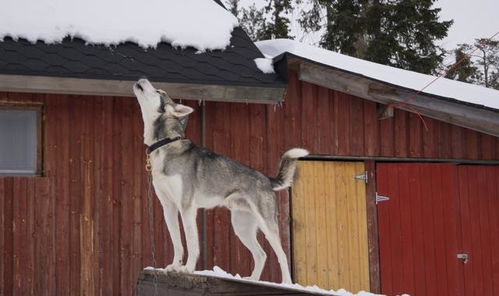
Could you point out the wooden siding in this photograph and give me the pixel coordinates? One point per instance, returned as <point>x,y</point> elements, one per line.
<point>94,184</point>
<point>435,212</point>
<point>479,221</point>
<point>329,227</point>
<point>82,227</point>
<point>418,230</point>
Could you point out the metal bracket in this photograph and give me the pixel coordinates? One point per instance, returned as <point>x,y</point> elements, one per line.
<point>363,177</point>
<point>380,198</point>
<point>463,257</point>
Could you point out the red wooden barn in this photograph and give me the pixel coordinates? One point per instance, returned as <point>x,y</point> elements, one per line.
<point>74,215</point>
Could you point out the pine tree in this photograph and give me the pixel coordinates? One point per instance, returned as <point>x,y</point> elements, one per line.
<point>278,27</point>
<point>253,21</point>
<point>481,65</point>
<point>233,7</point>
<point>400,33</point>
<point>465,71</point>
<point>488,61</point>
<point>268,22</point>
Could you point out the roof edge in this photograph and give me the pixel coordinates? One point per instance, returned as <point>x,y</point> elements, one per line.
<point>476,117</point>
<point>289,56</point>
<point>123,88</point>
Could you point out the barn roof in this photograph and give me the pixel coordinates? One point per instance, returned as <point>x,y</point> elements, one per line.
<point>451,101</point>
<point>105,65</point>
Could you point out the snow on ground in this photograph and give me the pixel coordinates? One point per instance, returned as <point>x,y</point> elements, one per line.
<point>202,24</point>
<point>442,87</point>
<point>220,273</point>
<point>265,65</point>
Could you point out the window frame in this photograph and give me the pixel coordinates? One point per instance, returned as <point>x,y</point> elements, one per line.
<point>38,107</point>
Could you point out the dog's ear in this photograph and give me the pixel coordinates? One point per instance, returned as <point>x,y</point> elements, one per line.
<point>181,110</point>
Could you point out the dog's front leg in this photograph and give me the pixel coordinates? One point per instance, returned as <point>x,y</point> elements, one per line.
<point>170,213</point>
<point>191,237</point>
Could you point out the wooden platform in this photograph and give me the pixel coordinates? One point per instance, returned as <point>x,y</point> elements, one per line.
<point>153,282</point>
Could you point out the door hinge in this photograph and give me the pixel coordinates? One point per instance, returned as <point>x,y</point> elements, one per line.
<point>364,177</point>
<point>380,198</point>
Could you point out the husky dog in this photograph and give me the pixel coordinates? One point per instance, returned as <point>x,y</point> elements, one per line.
<point>187,177</point>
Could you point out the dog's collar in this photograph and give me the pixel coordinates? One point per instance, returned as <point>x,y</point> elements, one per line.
<point>161,143</point>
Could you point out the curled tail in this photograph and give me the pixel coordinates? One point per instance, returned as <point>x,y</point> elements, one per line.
<point>287,169</point>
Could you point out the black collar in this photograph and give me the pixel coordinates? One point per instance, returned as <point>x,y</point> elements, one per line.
<point>161,143</point>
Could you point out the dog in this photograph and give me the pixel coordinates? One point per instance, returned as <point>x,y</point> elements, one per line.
<point>187,177</point>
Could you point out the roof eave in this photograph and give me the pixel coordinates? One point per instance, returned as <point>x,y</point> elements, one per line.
<point>123,88</point>
<point>476,117</point>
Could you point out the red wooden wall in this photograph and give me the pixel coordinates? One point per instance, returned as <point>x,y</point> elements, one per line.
<point>479,228</point>
<point>84,226</point>
<point>418,229</point>
<point>435,212</point>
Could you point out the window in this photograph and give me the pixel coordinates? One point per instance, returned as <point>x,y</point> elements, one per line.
<point>20,139</point>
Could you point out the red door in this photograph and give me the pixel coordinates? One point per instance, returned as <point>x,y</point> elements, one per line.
<point>435,212</point>
<point>479,216</point>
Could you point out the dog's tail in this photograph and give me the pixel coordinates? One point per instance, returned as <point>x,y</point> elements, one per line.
<point>287,169</point>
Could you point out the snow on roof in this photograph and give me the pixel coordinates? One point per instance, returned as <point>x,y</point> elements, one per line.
<point>220,273</point>
<point>265,65</point>
<point>457,90</point>
<point>202,24</point>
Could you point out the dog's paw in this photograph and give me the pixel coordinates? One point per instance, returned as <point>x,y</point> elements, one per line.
<point>251,278</point>
<point>186,269</point>
<point>176,267</point>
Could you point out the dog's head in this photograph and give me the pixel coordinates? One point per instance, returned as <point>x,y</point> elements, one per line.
<point>156,102</point>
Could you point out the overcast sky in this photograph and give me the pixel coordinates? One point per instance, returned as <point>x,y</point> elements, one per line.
<point>472,19</point>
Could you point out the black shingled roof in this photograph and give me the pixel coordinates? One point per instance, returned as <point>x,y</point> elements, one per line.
<point>127,61</point>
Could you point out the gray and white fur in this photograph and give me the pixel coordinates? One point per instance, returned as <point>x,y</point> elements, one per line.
<point>187,177</point>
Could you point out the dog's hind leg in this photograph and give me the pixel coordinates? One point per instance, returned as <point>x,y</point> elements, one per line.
<point>246,226</point>
<point>191,237</point>
<point>170,213</point>
<point>270,228</point>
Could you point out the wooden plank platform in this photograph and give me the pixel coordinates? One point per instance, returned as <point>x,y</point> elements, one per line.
<point>154,282</point>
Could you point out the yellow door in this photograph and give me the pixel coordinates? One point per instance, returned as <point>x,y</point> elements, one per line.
<point>330,226</point>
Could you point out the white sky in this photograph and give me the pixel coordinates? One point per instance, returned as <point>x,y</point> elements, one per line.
<point>472,19</point>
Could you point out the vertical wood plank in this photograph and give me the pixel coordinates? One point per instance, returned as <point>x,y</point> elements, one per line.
<point>8,237</point>
<point>401,135</point>
<point>63,184</point>
<point>430,138</point>
<point>343,127</point>
<point>457,141</point>
<point>321,125</point>
<point>386,140</point>
<point>472,144</point>
<point>309,136</point>
<point>357,126</point>
<point>371,129</point>
<point>416,134</point>
<point>372,228</point>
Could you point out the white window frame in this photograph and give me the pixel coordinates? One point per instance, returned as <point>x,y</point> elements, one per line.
<point>38,108</point>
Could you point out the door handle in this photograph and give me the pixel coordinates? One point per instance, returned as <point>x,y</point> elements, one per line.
<point>463,257</point>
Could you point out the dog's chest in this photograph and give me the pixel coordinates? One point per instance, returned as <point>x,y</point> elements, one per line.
<point>169,185</point>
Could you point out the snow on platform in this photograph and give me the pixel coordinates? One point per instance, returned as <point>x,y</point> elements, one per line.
<point>202,24</point>
<point>443,87</point>
<point>219,280</point>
